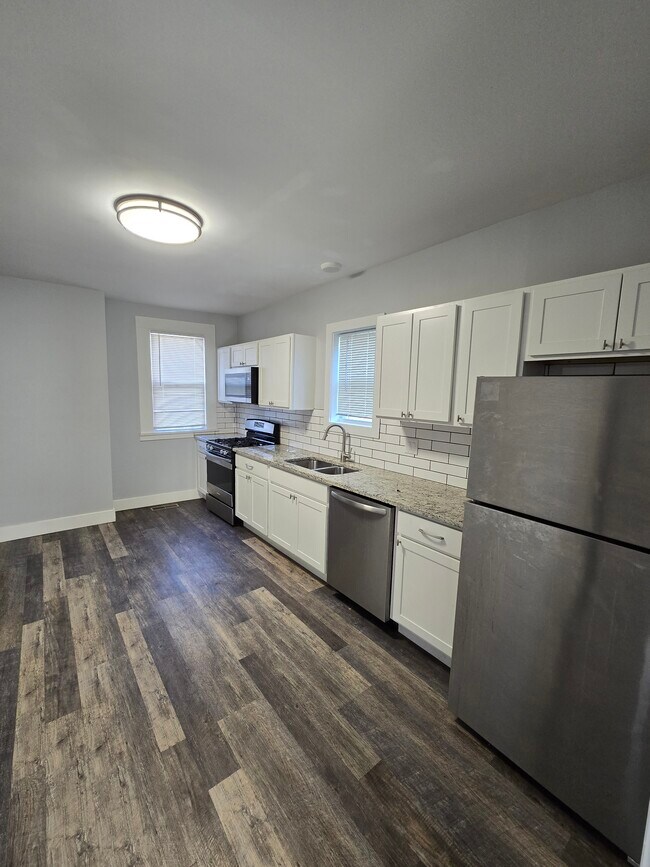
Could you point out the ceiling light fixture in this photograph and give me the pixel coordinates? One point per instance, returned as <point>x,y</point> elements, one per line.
<point>330,267</point>
<point>158,219</point>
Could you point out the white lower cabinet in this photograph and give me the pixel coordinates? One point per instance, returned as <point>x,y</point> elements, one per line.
<point>425,583</point>
<point>288,510</point>
<point>311,534</point>
<point>201,474</point>
<point>283,524</point>
<point>251,500</point>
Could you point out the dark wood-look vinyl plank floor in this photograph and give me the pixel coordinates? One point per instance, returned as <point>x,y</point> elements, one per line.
<point>173,691</point>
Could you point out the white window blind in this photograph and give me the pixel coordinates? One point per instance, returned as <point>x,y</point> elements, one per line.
<point>177,381</point>
<point>355,376</point>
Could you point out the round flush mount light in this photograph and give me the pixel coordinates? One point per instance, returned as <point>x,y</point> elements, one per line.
<point>330,267</point>
<point>158,219</point>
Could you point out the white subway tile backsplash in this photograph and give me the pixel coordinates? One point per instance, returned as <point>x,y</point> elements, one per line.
<point>431,477</point>
<point>433,452</point>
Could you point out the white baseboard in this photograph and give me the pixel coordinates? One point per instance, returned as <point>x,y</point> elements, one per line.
<point>155,500</point>
<point>55,525</point>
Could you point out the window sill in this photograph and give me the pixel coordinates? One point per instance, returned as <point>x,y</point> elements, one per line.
<point>172,435</point>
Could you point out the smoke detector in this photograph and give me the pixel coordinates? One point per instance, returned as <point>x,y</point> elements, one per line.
<point>330,267</point>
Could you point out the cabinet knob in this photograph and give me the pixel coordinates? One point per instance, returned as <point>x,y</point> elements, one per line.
<point>460,419</point>
<point>622,343</point>
<point>403,415</point>
<point>409,414</point>
<point>606,345</point>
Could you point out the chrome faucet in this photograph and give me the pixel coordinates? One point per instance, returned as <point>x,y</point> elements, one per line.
<point>346,454</point>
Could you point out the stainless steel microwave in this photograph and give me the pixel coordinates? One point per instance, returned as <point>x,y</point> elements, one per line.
<point>241,384</point>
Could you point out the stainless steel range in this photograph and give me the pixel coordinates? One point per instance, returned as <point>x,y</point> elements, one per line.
<point>220,459</point>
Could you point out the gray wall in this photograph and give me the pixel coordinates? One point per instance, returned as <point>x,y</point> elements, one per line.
<point>151,467</point>
<point>604,230</point>
<point>55,457</point>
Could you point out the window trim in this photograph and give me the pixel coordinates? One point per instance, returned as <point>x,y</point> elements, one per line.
<point>331,333</point>
<point>144,325</point>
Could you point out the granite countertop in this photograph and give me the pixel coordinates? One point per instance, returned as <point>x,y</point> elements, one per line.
<point>432,500</point>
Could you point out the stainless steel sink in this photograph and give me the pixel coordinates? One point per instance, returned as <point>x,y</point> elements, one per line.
<point>336,471</point>
<point>311,463</point>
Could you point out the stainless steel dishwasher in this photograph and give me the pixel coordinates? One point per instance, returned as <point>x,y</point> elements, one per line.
<point>360,551</point>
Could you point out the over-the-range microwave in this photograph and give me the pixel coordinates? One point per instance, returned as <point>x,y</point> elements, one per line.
<point>241,384</point>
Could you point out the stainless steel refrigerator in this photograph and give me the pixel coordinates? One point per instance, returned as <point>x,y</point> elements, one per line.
<point>551,659</point>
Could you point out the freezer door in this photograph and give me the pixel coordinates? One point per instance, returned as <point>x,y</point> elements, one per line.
<point>551,663</point>
<point>571,450</point>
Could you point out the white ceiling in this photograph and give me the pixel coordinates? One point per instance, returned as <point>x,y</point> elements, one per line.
<point>302,130</point>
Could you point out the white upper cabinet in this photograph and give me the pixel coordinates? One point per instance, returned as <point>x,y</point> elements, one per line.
<point>243,355</point>
<point>223,363</point>
<point>393,364</point>
<point>633,328</point>
<point>573,316</point>
<point>432,363</point>
<point>286,371</point>
<point>488,345</point>
<point>415,362</point>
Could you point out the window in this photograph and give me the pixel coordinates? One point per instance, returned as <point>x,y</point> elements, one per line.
<point>177,377</point>
<point>350,394</point>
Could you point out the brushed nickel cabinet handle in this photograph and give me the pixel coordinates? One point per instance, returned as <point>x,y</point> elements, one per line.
<point>460,419</point>
<point>606,344</point>
<point>432,535</point>
<point>621,343</point>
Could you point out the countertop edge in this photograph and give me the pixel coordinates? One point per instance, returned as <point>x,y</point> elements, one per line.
<point>272,459</point>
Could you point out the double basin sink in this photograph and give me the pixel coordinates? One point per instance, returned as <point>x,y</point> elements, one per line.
<point>322,467</point>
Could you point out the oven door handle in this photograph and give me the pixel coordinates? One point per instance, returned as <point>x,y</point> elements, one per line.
<point>221,461</point>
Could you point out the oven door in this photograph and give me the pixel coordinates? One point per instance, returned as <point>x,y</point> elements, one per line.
<point>238,385</point>
<point>221,479</point>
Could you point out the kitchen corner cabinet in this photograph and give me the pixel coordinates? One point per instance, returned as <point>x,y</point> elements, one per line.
<point>286,371</point>
<point>488,345</point>
<point>425,583</point>
<point>415,362</point>
<point>223,363</point>
<point>244,355</point>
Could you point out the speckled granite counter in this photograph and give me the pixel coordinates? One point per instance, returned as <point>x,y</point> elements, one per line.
<point>431,500</point>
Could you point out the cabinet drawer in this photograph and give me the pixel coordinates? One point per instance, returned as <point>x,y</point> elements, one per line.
<point>298,485</point>
<point>435,536</point>
<point>255,468</point>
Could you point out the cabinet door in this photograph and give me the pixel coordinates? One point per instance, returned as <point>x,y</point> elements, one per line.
<point>283,524</point>
<point>488,345</point>
<point>633,328</point>
<point>573,316</point>
<point>275,372</point>
<point>223,363</point>
<point>243,496</point>
<point>259,505</point>
<point>201,474</point>
<point>266,372</point>
<point>424,593</point>
<point>432,363</point>
<point>282,372</point>
<point>311,537</point>
<point>237,355</point>
<point>393,364</point>
<point>250,354</point>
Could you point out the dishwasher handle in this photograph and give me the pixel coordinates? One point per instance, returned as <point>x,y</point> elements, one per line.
<point>362,507</point>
